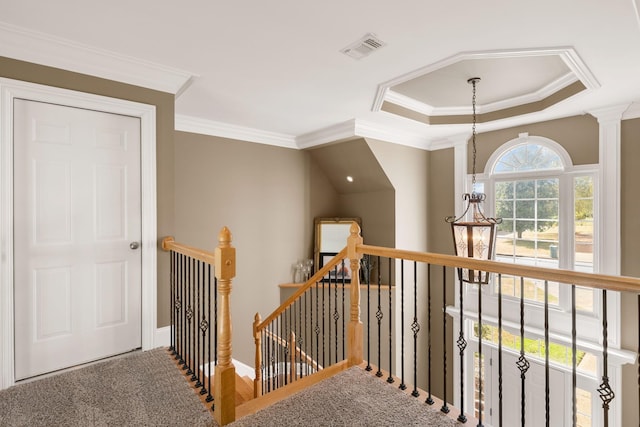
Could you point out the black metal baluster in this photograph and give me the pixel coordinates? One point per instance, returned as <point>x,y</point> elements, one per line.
<point>415,328</point>
<point>172,342</point>
<point>336,315</point>
<point>605,391</point>
<point>324,320</point>
<point>402,385</point>
<point>444,408</point>
<point>204,325</point>
<point>311,324</point>
<point>285,348</point>
<point>480,361</point>
<point>317,330</point>
<point>500,350</point>
<point>638,352</point>
<point>326,315</point>
<point>574,358</point>
<point>546,351</point>
<point>183,305</point>
<point>429,400</point>
<point>522,363</point>
<point>369,368</point>
<point>196,324</point>
<point>189,315</point>
<point>379,316</point>
<point>215,314</point>
<point>210,359</point>
<point>343,323</point>
<point>192,298</point>
<point>390,377</point>
<point>306,364</point>
<point>462,345</point>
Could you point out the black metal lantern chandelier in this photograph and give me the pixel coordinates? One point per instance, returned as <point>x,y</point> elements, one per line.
<point>474,238</point>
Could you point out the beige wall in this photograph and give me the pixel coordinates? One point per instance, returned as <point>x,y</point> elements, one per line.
<point>578,135</point>
<point>630,249</point>
<point>441,205</point>
<point>259,192</point>
<point>164,103</point>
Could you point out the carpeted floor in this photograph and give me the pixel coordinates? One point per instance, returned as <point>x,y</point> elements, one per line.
<point>146,389</point>
<point>141,389</point>
<point>351,398</point>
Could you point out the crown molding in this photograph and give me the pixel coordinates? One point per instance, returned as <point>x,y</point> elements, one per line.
<point>633,112</point>
<point>226,130</point>
<point>31,46</point>
<point>613,113</point>
<point>570,57</point>
<point>326,135</point>
<point>452,141</point>
<point>367,129</point>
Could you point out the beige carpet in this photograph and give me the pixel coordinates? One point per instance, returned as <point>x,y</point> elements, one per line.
<point>140,389</point>
<point>351,398</point>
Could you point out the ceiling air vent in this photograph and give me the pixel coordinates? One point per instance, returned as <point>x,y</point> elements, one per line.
<point>363,47</point>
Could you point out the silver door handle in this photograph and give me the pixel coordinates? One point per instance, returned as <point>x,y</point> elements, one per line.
<point>134,245</point>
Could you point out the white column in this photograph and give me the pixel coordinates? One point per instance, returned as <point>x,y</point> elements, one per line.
<point>460,172</point>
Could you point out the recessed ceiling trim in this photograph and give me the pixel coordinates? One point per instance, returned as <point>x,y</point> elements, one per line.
<point>226,130</point>
<point>568,55</point>
<point>31,46</point>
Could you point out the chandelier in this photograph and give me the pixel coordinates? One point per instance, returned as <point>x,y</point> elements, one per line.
<point>474,237</point>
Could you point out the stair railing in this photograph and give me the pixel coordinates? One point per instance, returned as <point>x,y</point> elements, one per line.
<point>422,276</point>
<point>200,288</point>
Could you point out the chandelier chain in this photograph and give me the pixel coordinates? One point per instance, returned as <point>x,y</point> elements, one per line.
<point>473,135</point>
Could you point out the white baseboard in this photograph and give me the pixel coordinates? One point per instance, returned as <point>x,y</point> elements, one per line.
<point>162,337</point>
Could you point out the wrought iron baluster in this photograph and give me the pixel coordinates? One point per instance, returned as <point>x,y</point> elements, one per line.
<point>210,360</point>
<point>638,350</point>
<point>379,316</point>
<point>183,305</point>
<point>324,320</point>
<point>368,368</point>
<point>574,358</point>
<point>325,314</point>
<point>500,350</point>
<point>192,332</point>
<point>546,351</point>
<point>402,385</point>
<point>343,323</point>
<point>480,361</point>
<point>336,315</point>
<point>522,363</point>
<point>197,325</point>
<point>462,345</point>
<point>390,377</point>
<point>204,325</point>
<point>306,364</point>
<point>429,400</point>
<point>444,407</point>
<point>172,345</point>
<point>317,330</point>
<point>415,328</point>
<point>605,391</point>
<point>189,315</point>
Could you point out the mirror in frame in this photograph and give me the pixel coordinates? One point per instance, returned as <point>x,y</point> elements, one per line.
<point>331,236</point>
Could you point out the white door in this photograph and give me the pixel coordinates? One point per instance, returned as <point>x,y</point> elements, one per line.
<point>77,220</point>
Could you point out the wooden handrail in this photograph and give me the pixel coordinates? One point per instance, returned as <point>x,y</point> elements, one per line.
<point>311,282</point>
<point>590,280</point>
<point>169,244</point>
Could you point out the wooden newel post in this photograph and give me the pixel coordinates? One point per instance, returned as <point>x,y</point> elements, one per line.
<point>354,337</point>
<point>225,373</point>
<point>257,382</point>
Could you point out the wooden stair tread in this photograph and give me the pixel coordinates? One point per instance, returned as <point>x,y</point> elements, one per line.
<point>244,389</point>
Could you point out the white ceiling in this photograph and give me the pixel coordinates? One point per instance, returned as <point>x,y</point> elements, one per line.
<point>273,72</point>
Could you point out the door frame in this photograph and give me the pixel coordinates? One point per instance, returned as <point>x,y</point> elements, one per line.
<point>11,89</point>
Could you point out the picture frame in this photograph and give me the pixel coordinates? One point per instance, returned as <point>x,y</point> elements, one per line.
<point>336,275</point>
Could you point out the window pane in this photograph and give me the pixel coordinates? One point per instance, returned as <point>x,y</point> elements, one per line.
<point>525,209</point>
<point>504,209</point>
<point>584,299</point>
<point>583,223</point>
<point>504,190</point>
<point>583,408</point>
<point>547,209</point>
<point>547,188</point>
<point>525,189</point>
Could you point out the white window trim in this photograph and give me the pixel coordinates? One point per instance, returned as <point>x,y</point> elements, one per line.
<point>605,235</point>
<point>11,89</point>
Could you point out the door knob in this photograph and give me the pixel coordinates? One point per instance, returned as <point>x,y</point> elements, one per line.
<point>134,245</point>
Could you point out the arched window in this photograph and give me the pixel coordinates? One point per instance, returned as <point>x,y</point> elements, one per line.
<point>547,207</point>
